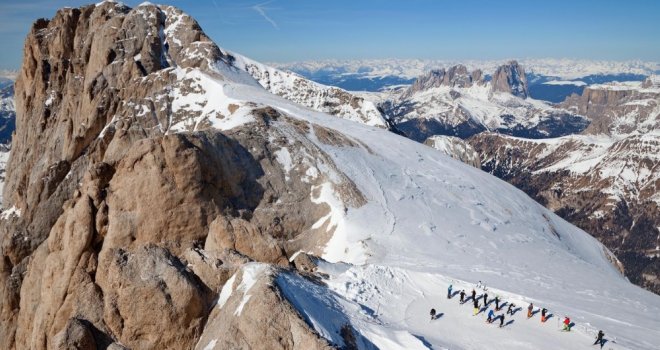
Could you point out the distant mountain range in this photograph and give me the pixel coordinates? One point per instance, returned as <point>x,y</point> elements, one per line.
<point>411,68</point>
<point>549,79</point>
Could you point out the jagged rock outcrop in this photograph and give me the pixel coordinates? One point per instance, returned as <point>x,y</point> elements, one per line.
<point>455,76</point>
<point>252,313</point>
<point>455,102</point>
<point>510,78</point>
<point>127,205</point>
<point>618,108</point>
<point>652,81</point>
<point>319,97</point>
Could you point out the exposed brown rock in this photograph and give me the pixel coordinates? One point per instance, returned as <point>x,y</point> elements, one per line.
<point>149,291</point>
<point>75,336</point>
<point>510,78</point>
<point>303,262</point>
<point>256,316</point>
<point>126,228</point>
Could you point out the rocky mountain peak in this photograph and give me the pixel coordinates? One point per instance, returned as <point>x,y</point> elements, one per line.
<point>124,110</point>
<point>510,78</point>
<point>652,81</point>
<point>455,76</point>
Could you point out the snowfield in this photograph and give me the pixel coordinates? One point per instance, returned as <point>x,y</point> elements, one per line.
<point>431,221</point>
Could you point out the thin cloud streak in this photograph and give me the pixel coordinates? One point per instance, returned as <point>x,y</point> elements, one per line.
<point>262,11</point>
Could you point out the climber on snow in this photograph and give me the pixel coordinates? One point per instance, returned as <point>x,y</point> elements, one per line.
<point>432,314</point>
<point>491,316</point>
<point>544,311</point>
<point>530,309</point>
<point>510,309</point>
<point>567,324</point>
<point>449,292</point>
<point>599,339</point>
<point>462,296</point>
<point>476,306</point>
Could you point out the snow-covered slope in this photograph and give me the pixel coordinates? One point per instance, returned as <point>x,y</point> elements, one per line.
<point>456,148</point>
<point>431,218</point>
<point>319,97</point>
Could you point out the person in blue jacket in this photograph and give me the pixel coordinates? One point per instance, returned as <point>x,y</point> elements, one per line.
<point>449,292</point>
<point>491,316</point>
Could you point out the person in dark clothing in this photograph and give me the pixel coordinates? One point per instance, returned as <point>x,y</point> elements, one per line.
<point>476,306</point>
<point>474,294</point>
<point>530,308</point>
<point>543,312</point>
<point>497,303</point>
<point>485,298</point>
<point>510,309</point>
<point>501,321</point>
<point>432,314</point>
<point>462,296</point>
<point>599,339</point>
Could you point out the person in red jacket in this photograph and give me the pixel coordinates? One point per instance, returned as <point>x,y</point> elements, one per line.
<point>567,324</point>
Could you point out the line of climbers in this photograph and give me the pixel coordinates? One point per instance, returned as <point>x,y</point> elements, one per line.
<point>511,310</point>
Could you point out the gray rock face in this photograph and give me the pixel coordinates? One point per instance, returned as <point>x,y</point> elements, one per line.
<point>510,78</point>
<point>618,109</point>
<point>455,76</point>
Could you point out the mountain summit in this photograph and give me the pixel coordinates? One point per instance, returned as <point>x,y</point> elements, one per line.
<point>510,78</point>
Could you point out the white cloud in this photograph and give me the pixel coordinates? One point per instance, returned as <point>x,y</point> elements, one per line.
<point>262,11</point>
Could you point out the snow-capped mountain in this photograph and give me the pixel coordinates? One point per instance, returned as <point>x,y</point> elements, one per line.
<point>193,208</point>
<point>7,113</point>
<point>319,97</point>
<point>549,79</point>
<point>605,180</point>
<point>411,68</point>
<point>7,126</point>
<point>460,103</point>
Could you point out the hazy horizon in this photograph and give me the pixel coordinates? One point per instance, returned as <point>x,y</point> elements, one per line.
<point>286,31</point>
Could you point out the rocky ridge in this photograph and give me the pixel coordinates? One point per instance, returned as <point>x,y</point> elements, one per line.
<point>319,97</point>
<point>605,180</point>
<point>110,198</point>
<point>456,102</point>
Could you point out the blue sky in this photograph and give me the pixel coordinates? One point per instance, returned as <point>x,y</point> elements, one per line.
<point>291,30</point>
